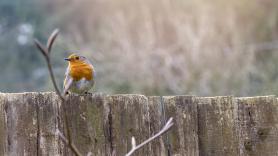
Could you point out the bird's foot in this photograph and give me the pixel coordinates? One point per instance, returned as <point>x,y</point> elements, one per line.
<point>88,93</point>
<point>65,93</point>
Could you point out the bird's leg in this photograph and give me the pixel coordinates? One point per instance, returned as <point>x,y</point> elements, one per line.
<point>88,93</point>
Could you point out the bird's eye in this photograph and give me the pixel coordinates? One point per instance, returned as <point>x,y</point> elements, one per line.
<point>77,58</point>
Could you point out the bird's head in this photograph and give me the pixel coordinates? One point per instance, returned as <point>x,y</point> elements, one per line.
<point>75,58</point>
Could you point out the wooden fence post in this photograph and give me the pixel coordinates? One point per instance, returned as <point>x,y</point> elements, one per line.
<point>217,121</point>
<point>104,124</point>
<point>258,126</point>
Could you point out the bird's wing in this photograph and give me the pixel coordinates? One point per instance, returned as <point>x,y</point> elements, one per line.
<point>94,71</point>
<point>67,82</point>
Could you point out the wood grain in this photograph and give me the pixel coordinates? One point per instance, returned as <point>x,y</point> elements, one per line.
<point>103,125</point>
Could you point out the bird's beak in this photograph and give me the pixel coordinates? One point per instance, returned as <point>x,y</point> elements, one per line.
<point>67,59</point>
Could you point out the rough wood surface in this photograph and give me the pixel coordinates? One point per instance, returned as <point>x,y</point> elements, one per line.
<point>129,117</point>
<point>183,140</point>
<point>217,121</point>
<point>3,126</point>
<point>258,126</point>
<point>103,125</point>
<point>21,127</point>
<point>47,113</point>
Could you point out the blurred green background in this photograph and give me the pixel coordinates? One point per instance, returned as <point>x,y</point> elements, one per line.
<point>152,47</point>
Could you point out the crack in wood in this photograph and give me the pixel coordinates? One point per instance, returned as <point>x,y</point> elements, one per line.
<point>38,127</point>
<point>110,134</point>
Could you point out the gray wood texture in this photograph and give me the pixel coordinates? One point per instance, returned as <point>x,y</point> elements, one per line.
<point>104,124</point>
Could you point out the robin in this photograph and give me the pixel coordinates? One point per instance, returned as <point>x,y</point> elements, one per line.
<point>79,76</point>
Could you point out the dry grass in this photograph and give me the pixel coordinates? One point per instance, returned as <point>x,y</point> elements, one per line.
<point>171,47</point>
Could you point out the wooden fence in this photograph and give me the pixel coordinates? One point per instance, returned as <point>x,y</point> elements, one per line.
<point>103,124</point>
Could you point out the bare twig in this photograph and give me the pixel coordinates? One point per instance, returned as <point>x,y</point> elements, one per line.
<point>51,39</point>
<point>41,48</point>
<point>46,53</point>
<point>135,147</point>
<point>65,140</point>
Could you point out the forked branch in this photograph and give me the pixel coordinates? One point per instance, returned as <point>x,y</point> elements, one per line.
<point>135,147</point>
<point>46,53</point>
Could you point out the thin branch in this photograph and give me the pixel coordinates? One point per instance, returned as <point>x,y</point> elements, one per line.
<point>46,54</point>
<point>41,48</point>
<point>54,82</point>
<point>52,39</point>
<point>62,137</point>
<point>66,141</point>
<point>135,147</point>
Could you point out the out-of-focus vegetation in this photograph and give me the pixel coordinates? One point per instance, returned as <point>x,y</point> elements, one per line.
<point>154,47</point>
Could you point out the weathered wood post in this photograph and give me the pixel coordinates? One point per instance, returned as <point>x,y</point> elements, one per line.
<point>104,124</point>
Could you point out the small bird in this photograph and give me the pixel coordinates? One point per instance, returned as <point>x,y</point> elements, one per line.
<point>79,76</point>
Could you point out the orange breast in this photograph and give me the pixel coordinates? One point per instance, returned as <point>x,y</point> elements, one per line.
<point>81,70</point>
